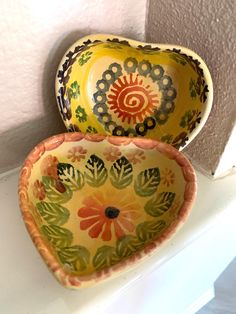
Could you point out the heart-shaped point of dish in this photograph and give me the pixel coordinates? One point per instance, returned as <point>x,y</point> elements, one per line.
<point>113,85</point>
<point>95,205</point>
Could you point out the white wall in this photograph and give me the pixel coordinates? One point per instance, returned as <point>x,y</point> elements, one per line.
<point>34,37</point>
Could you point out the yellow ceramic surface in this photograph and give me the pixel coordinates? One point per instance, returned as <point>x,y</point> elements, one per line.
<point>95,204</point>
<point>113,85</point>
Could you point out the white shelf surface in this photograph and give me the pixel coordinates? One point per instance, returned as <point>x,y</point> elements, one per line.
<point>27,287</point>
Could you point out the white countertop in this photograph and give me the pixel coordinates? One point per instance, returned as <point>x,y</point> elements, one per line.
<point>26,285</point>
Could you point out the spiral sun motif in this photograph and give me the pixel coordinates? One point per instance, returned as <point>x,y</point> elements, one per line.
<point>131,99</point>
<point>134,97</point>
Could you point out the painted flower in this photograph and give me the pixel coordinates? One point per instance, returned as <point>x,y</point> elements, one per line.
<point>39,190</point>
<point>130,98</point>
<point>112,153</point>
<point>168,177</point>
<point>73,91</point>
<point>81,115</point>
<point>49,166</point>
<point>106,215</point>
<point>136,156</point>
<point>76,153</point>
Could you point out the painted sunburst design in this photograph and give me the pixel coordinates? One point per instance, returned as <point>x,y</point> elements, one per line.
<point>131,99</point>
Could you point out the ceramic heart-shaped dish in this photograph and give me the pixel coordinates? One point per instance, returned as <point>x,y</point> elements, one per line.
<point>95,205</point>
<point>112,85</point>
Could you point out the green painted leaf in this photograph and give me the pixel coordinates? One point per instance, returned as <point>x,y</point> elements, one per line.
<point>53,213</point>
<point>57,236</point>
<point>75,255</point>
<point>147,230</point>
<point>74,90</point>
<point>84,57</point>
<point>121,173</point>
<point>193,93</point>
<point>96,173</point>
<point>128,245</point>
<point>105,257</point>
<point>147,182</point>
<point>91,129</point>
<point>159,204</point>
<point>70,176</point>
<point>81,114</point>
<point>56,191</point>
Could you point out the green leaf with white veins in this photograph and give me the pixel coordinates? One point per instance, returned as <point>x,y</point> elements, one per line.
<point>70,176</point>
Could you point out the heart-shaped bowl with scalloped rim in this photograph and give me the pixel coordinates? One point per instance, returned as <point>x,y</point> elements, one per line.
<point>108,84</point>
<point>95,205</point>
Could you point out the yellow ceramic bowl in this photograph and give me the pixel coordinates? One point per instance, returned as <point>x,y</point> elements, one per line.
<point>112,85</point>
<point>94,205</point>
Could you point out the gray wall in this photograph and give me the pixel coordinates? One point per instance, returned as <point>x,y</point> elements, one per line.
<point>208,28</point>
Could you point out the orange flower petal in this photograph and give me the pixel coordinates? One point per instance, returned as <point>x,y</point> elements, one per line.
<point>106,234</point>
<point>91,202</point>
<point>128,225</point>
<point>96,229</point>
<point>86,223</point>
<point>118,230</point>
<point>86,212</point>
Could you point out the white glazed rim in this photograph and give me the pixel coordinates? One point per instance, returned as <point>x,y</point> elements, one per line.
<point>134,43</point>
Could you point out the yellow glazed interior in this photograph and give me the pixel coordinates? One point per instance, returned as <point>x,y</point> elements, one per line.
<point>95,202</point>
<point>117,86</point>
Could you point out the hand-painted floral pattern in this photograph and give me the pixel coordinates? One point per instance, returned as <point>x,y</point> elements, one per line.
<point>39,190</point>
<point>124,95</point>
<point>76,153</point>
<point>81,115</point>
<point>49,166</point>
<point>73,91</point>
<point>103,213</point>
<point>136,156</point>
<point>168,177</point>
<point>157,80</point>
<point>112,153</point>
<point>131,221</point>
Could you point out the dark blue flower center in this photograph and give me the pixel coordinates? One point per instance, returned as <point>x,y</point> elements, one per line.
<point>112,212</point>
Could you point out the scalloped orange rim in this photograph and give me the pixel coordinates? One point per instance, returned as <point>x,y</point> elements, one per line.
<point>73,281</point>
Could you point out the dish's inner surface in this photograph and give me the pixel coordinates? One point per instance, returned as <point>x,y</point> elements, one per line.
<point>96,204</point>
<point>117,89</point>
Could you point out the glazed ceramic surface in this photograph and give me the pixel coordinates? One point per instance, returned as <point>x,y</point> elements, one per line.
<point>94,204</point>
<point>113,85</point>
